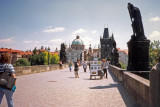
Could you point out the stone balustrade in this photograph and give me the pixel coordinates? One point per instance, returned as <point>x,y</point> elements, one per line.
<point>137,87</point>
<point>23,70</point>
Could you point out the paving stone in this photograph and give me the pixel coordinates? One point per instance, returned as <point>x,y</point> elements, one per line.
<point>59,88</point>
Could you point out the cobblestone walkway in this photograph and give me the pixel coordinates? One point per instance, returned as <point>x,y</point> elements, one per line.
<point>60,89</point>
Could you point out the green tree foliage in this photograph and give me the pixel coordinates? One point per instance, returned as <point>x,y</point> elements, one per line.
<point>37,59</point>
<point>154,52</point>
<point>55,59</point>
<point>22,62</point>
<point>41,58</point>
<point>35,50</point>
<point>122,65</point>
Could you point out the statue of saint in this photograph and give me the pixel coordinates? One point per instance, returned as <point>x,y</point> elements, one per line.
<point>136,20</point>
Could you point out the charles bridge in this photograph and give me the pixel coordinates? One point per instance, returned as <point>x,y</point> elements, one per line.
<point>123,88</point>
<point>55,87</point>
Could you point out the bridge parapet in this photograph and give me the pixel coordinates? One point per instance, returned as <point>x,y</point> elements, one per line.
<point>23,70</point>
<point>137,87</point>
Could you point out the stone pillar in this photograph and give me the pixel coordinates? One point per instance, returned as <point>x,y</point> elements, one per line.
<point>138,55</point>
<point>155,87</point>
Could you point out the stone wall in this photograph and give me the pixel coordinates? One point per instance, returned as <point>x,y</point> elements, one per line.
<point>118,72</point>
<point>23,70</point>
<point>137,87</point>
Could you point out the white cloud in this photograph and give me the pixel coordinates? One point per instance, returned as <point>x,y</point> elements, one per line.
<point>56,41</point>
<point>31,42</point>
<point>155,35</point>
<point>154,19</point>
<point>94,32</point>
<point>57,29</point>
<point>79,31</point>
<point>88,40</point>
<point>7,41</point>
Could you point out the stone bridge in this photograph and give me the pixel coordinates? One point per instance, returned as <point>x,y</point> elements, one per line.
<point>59,88</point>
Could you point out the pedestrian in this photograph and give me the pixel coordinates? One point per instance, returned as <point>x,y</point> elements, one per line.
<point>89,64</point>
<point>104,66</point>
<point>4,63</point>
<point>60,64</point>
<point>84,66</point>
<point>70,66</point>
<point>76,68</point>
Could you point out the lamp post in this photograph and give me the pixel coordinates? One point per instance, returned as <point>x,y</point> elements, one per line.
<point>48,54</point>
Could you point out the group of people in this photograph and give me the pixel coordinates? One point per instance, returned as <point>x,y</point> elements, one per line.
<point>104,67</point>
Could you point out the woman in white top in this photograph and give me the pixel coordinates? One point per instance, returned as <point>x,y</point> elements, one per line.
<point>104,66</point>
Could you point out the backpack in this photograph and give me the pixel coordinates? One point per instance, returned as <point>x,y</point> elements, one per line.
<point>6,81</point>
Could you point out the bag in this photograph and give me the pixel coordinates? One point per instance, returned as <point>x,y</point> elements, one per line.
<point>76,69</point>
<point>6,81</point>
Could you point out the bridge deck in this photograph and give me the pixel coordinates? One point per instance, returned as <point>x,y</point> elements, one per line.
<point>59,88</point>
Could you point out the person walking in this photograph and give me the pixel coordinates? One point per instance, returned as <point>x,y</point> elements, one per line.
<point>4,63</point>
<point>60,65</point>
<point>76,68</point>
<point>70,66</point>
<point>104,66</point>
<point>84,66</point>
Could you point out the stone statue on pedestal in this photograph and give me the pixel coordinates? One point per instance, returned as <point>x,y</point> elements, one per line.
<point>138,46</point>
<point>136,19</point>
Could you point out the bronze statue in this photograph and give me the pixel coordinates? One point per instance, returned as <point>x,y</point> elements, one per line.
<point>136,20</point>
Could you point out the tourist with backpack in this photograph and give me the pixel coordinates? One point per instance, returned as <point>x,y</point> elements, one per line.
<point>7,68</point>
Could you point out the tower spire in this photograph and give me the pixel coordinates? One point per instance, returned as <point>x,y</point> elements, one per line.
<point>106,33</point>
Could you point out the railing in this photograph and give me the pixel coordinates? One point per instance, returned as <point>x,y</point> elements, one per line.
<point>137,87</point>
<point>23,70</point>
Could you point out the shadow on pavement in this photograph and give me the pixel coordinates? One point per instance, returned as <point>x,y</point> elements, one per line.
<point>51,81</point>
<point>104,87</point>
<point>71,77</point>
<point>126,98</point>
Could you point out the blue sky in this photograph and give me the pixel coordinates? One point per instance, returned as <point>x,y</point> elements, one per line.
<point>25,24</point>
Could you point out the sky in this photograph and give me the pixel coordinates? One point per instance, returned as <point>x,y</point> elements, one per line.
<point>25,24</point>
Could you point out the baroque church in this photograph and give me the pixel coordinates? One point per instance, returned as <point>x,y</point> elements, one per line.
<point>76,50</point>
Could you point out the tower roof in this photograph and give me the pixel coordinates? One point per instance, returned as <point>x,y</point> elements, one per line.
<point>77,41</point>
<point>106,33</point>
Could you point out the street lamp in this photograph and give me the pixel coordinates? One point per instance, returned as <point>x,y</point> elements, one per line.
<point>48,54</point>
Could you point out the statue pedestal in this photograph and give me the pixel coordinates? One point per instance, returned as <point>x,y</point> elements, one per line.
<point>138,55</point>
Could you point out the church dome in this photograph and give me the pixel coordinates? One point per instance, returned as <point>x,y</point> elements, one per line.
<point>77,41</point>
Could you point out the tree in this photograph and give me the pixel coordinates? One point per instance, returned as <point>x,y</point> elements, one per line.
<point>22,62</point>
<point>42,47</point>
<point>46,57</point>
<point>35,50</point>
<point>55,59</point>
<point>63,57</point>
<point>122,65</point>
<point>154,51</point>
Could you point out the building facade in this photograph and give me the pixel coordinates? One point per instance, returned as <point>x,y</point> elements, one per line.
<point>15,54</point>
<point>76,50</point>
<point>123,56</point>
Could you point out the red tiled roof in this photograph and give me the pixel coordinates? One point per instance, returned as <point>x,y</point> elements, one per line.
<point>54,53</point>
<point>15,51</point>
<point>123,50</point>
<point>42,50</point>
